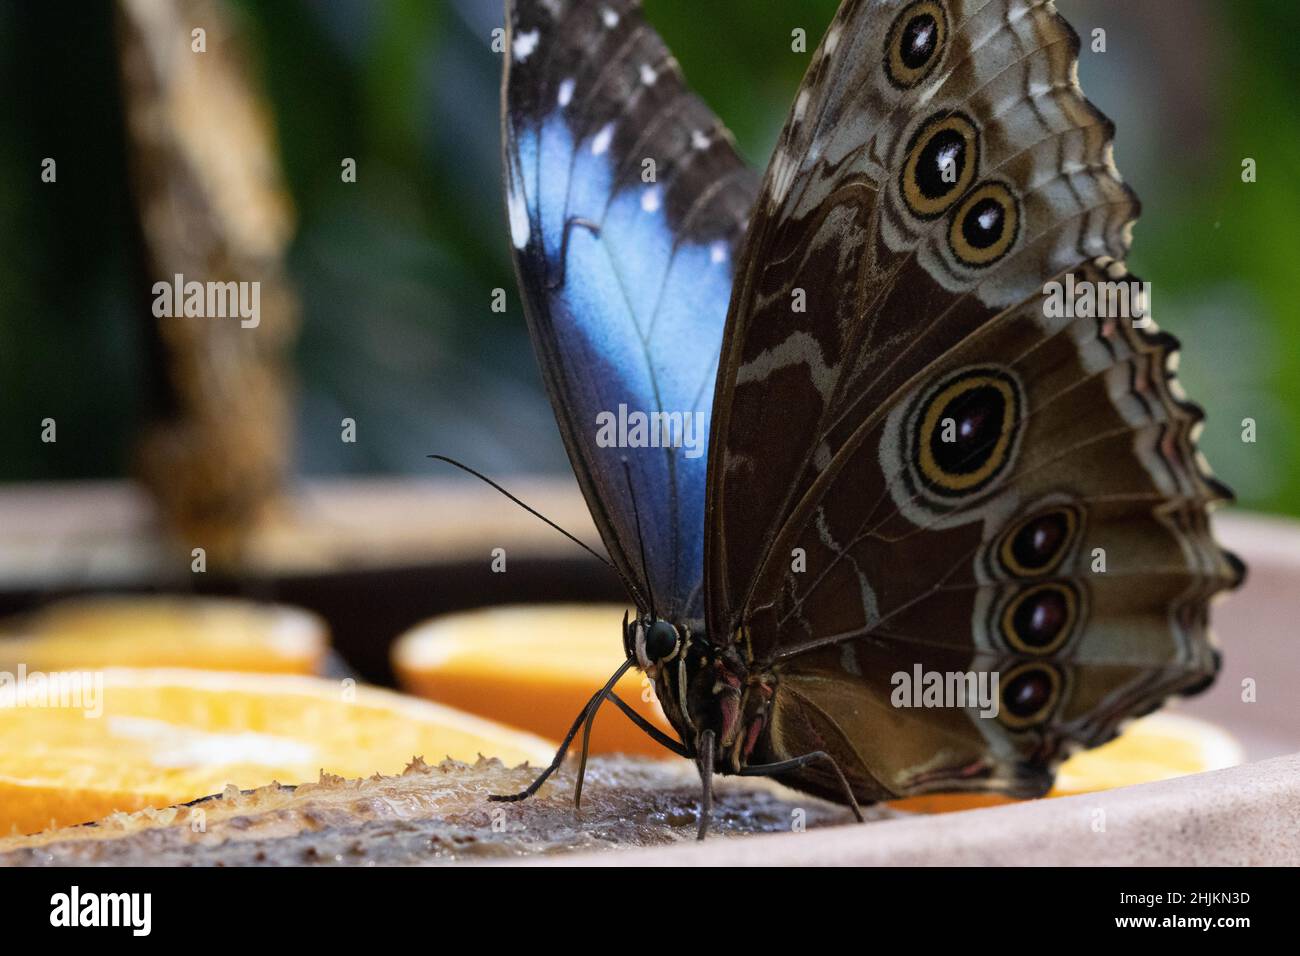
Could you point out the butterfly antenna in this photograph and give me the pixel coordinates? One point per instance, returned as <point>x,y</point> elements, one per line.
<point>636,516</point>
<point>532,511</point>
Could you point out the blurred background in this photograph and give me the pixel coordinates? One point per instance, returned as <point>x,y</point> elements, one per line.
<point>378,300</point>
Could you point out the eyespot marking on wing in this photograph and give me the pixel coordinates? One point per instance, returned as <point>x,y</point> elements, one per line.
<point>984,226</point>
<point>1040,619</point>
<point>915,43</point>
<point>1029,694</point>
<point>1035,545</point>
<point>967,430</point>
<point>942,159</point>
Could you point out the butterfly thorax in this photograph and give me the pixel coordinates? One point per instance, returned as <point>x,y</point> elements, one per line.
<point>704,687</point>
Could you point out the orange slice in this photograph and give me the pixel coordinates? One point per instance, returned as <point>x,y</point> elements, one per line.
<point>205,633</point>
<point>534,667</point>
<point>1158,747</point>
<point>153,737</point>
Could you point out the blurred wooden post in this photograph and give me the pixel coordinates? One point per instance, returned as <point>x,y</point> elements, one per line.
<point>212,208</point>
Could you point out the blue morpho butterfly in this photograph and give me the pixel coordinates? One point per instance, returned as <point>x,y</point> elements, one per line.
<point>950,522</point>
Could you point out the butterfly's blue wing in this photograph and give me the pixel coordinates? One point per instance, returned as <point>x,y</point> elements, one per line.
<point>626,203</point>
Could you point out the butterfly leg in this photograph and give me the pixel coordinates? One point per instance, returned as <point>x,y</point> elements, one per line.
<point>586,744</point>
<point>533,787</point>
<point>592,708</point>
<point>706,777</point>
<point>653,732</point>
<point>768,769</point>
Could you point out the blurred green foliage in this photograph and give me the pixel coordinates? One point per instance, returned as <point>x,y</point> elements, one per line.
<point>396,271</point>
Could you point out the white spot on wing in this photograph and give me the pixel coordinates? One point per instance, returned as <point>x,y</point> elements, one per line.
<point>801,105</point>
<point>783,170</point>
<point>566,92</point>
<point>799,349</point>
<point>650,199</point>
<point>870,609</point>
<point>718,253</point>
<point>525,44</point>
<point>518,218</point>
<point>832,39</point>
<point>610,18</point>
<point>699,140</point>
<point>600,145</point>
<point>648,74</point>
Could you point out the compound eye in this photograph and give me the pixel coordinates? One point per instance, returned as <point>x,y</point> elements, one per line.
<point>660,641</point>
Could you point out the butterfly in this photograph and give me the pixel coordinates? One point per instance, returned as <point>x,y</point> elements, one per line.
<point>898,514</point>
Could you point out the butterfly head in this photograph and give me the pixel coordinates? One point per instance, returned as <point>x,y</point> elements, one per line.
<point>652,641</point>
